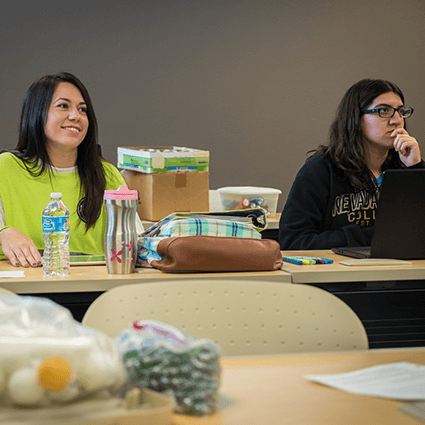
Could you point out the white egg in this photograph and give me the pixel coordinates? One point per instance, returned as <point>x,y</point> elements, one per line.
<point>69,393</point>
<point>24,388</point>
<point>95,372</point>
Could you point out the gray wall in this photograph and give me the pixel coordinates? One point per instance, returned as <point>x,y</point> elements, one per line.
<point>254,82</point>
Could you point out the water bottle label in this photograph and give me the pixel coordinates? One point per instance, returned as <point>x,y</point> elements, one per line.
<point>55,224</point>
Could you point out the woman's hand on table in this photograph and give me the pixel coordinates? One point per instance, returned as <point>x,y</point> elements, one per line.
<point>19,248</point>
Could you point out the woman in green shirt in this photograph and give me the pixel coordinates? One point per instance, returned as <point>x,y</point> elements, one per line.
<point>57,151</point>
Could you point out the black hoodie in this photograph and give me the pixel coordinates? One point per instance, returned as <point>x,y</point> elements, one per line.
<point>323,210</point>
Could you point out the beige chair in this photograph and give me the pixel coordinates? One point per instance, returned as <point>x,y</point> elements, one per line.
<point>4,291</point>
<point>243,317</point>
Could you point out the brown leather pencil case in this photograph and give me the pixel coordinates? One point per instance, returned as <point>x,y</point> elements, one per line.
<point>217,254</point>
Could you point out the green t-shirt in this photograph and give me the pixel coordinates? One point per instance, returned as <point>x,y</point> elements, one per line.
<point>24,198</point>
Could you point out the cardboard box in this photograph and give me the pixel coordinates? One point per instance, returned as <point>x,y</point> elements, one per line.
<point>162,159</point>
<point>164,193</point>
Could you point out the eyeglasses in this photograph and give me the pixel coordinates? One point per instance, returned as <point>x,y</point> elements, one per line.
<point>388,112</point>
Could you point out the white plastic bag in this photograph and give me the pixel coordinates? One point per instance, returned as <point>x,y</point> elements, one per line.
<point>47,357</point>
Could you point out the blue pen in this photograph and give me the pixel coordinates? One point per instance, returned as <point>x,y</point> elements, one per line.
<point>293,260</point>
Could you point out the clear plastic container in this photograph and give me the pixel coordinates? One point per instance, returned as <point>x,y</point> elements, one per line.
<point>242,197</point>
<point>56,237</point>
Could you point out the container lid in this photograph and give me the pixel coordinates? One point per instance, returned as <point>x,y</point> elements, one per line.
<point>123,193</point>
<point>249,190</point>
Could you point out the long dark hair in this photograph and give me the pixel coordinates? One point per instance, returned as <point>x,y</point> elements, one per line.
<point>346,146</point>
<point>31,148</point>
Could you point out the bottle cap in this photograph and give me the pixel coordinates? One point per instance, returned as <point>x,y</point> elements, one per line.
<point>56,195</point>
<point>123,193</point>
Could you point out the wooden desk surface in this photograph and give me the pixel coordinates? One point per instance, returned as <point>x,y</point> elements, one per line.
<point>335,272</point>
<point>96,278</point>
<point>273,390</point>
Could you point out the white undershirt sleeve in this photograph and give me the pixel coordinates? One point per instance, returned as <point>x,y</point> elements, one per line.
<point>139,225</point>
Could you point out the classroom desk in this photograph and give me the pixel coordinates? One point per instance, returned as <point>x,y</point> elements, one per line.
<point>96,278</point>
<point>85,283</point>
<point>273,390</point>
<point>338,273</point>
<point>388,299</point>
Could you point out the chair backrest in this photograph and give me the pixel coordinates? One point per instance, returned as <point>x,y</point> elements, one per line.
<point>243,317</point>
<point>6,292</point>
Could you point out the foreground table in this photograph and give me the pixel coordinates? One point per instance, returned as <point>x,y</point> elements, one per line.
<point>273,390</point>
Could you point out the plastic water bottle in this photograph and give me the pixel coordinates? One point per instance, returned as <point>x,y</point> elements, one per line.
<point>56,237</point>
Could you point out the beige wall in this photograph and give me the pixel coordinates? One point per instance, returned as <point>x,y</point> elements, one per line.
<point>254,82</point>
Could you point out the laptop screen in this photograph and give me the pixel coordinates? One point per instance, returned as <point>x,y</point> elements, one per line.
<point>400,219</point>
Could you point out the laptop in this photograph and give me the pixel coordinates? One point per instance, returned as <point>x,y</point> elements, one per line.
<point>400,218</point>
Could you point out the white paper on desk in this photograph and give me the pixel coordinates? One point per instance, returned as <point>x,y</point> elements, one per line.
<point>12,274</point>
<point>401,381</point>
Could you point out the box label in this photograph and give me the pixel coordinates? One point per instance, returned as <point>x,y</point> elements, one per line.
<point>165,161</point>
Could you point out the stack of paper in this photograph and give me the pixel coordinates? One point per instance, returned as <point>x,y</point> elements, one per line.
<point>400,381</point>
<point>12,274</point>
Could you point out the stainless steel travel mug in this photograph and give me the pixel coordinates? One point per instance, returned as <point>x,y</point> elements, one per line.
<point>120,235</point>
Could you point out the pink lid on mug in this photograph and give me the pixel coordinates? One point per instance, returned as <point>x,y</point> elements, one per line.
<point>123,193</point>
